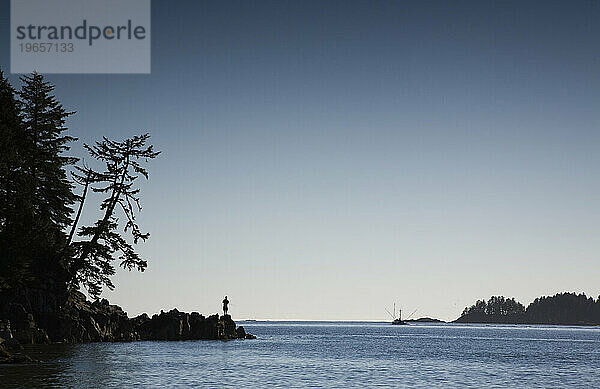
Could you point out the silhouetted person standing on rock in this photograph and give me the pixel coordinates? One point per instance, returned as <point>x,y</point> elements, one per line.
<point>225,302</point>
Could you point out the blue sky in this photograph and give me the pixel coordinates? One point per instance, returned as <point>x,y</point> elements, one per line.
<point>322,160</point>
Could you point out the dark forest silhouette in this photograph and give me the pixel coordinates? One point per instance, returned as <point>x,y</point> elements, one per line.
<point>41,244</point>
<point>562,308</point>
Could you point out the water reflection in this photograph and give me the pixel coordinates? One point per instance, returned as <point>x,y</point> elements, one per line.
<point>62,366</point>
<point>329,355</point>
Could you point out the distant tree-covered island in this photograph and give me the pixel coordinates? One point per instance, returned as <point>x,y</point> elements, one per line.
<point>560,309</point>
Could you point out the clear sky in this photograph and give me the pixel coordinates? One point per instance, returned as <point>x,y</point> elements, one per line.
<point>322,160</point>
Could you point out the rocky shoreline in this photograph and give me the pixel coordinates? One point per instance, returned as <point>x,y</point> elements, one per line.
<point>82,321</point>
<point>424,320</point>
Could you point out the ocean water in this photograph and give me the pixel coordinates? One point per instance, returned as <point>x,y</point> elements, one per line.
<point>330,355</point>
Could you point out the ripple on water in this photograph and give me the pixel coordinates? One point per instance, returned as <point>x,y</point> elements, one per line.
<point>330,355</point>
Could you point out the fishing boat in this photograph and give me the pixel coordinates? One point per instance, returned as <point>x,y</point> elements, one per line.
<point>397,320</point>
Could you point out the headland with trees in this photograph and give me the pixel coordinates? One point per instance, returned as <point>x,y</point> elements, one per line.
<point>47,256</point>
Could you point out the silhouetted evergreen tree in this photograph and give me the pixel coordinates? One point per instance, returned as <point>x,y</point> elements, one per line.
<point>92,265</point>
<point>43,121</point>
<point>35,194</point>
<point>13,247</point>
<point>48,193</point>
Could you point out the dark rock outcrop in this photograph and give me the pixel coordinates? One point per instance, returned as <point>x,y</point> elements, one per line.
<point>80,321</point>
<point>11,350</point>
<point>425,320</point>
<point>175,325</point>
<point>23,326</point>
<point>11,354</point>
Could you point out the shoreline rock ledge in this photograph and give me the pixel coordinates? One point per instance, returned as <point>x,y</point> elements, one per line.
<point>99,321</point>
<point>82,321</point>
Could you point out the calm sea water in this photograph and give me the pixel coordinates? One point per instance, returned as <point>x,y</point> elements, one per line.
<point>333,355</point>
